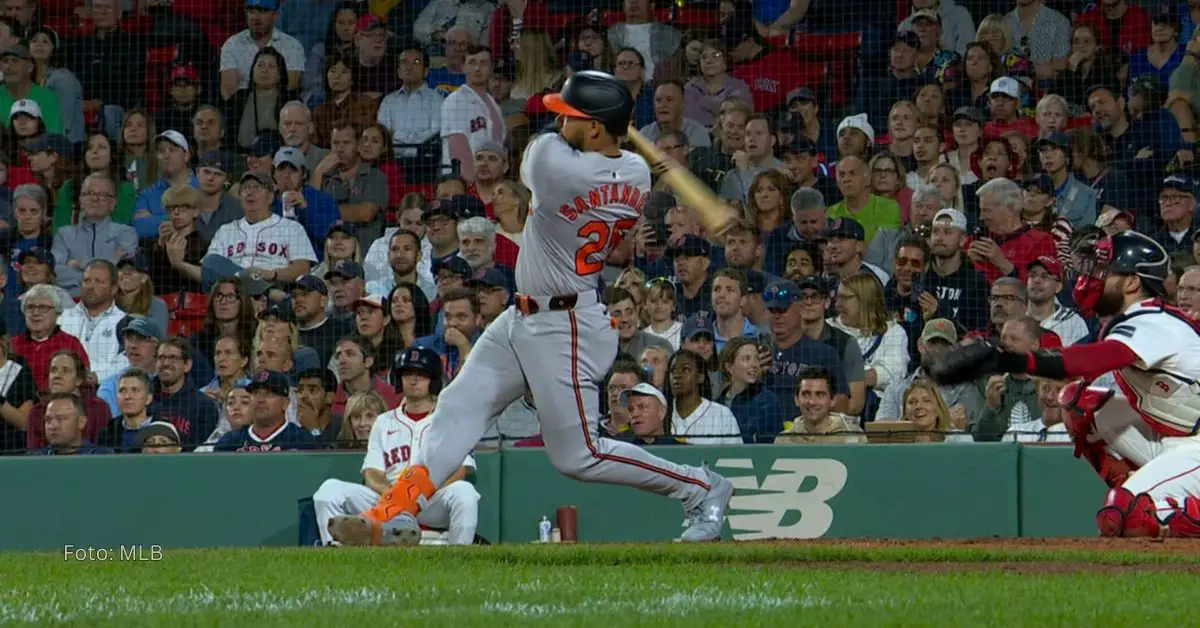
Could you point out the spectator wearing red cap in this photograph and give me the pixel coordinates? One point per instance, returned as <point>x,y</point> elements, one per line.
<point>373,69</point>
<point>1043,281</point>
<point>1009,244</point>
<point>183,99</point>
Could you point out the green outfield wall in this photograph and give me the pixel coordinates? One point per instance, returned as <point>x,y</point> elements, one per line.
<point>908,491</point>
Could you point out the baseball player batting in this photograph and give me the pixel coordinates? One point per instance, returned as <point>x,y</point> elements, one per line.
<point>395,438</point>
<point>558,336</point>
<point>1152,421</point>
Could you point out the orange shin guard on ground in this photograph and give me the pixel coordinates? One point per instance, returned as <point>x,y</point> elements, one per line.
<point>405,496</point>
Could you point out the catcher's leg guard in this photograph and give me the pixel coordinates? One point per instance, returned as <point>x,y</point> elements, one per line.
<point>1129,515</point>
<point>1185,521</point>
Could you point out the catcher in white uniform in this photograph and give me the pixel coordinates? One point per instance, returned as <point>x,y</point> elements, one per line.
<point>558,336</point>
<point>1142,439</point>
<point>396,437</point>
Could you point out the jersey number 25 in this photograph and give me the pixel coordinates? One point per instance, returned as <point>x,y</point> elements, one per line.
<point>601,238</point>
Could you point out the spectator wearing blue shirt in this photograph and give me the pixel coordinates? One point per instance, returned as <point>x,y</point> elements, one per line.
<point>269,429</point>
<point>315,210</point>
<point>173,154</point>
<point>460,309</point>
<point>810,216</point>
<point>64,423</point>
<point>728,289</point>
<point>757,410</point>
<point>1074,199</point>
<point>1142,147</point>
<point>1164,42</point>
<point>793,350</point>
<point>140,339</point>
<point>135,392</point>
<point>450,76</point>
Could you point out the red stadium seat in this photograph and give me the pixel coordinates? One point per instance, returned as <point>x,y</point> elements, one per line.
<point>158,65</point>
<point>186,312</point>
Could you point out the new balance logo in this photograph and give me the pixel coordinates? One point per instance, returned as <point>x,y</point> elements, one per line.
<point>779,509</point>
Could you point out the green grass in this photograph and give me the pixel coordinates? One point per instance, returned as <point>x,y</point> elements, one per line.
<point>653,585</point>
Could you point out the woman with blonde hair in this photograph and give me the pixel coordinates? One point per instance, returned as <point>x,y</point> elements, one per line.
<point>660,310</point>
<point>729,130</point>
<point>633,280</point>
<point>537,68</point>
<point>995,31</point>
<point>362,409</point>
<point>862,314</point>
<point>510,205</point>
<point>135,291</point>
<point>946,179</point>
<point>767,201</point>
<point>924,407</point>
<point>340,245</point>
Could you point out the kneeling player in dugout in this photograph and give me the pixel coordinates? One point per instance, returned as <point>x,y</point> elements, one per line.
<point>394,440</point>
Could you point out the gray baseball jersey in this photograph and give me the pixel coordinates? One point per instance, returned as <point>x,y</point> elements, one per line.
<point>583,205</point>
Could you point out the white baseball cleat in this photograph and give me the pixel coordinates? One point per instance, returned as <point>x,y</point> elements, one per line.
<point>704,522</point>
<point>359,530</point>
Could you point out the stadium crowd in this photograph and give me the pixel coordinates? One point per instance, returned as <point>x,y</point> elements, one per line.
<point>224,239</point>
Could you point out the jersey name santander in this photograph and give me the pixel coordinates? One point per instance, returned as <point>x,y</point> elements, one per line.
<point>394,440</point>
<point>583,205</point>
<point>1163,384</point>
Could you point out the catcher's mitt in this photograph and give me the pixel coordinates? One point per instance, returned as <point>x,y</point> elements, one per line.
<point>966,363</point>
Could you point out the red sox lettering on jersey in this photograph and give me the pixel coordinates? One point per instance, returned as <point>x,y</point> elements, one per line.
<point>263,248</point>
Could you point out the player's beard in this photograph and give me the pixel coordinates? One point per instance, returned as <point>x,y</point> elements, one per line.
<point>1111,301</point>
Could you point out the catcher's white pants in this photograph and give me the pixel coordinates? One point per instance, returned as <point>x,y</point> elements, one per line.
<point>1169,467</point>
<point>454,508</point>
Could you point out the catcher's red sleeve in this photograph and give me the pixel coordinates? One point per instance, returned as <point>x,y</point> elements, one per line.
<point>1087,361</point>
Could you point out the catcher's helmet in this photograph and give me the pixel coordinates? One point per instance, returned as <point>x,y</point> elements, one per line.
<point>421,359</point>
<point>594,95</point>
<point>1125,253</point>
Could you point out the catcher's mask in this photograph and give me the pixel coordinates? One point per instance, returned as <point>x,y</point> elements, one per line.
<point>1092,265</point>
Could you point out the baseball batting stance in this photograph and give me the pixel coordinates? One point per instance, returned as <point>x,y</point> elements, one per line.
<point>558,336</point>
<point>1142,439</point>
<point>395,438</point>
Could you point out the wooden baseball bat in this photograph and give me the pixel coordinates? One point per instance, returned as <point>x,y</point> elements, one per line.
<point>716,215</point>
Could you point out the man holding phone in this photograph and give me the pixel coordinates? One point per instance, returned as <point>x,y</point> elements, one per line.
<point>906,295</point>
<point>1007,245</point>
